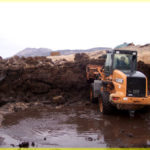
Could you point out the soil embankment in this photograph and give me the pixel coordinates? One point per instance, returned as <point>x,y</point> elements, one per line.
<point>145,68</point>
<point>39,79</point>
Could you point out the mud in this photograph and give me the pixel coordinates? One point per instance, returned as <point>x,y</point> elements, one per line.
<point>39,79</point>
<point>74,126</point>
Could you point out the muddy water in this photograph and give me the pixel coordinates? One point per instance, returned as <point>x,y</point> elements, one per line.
<point>75,126</point>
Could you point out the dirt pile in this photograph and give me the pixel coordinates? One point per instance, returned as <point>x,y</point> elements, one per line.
<point>145,68</point>
<point>39,79</point>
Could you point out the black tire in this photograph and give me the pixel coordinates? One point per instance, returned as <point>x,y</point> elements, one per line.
<point>90,80</point>
<point>105,106</point>
<point>87,81</point>
<point>92,99</point>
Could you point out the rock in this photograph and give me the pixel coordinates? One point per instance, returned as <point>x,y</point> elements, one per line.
<point>87,103</point>
<point>90,139</point>
<point>58,99</point>
<point>32,144</point>
<point>24,145</point>
<point>130,135</point>
<point>12,145</point>
<point>2,76</point>
<point>20,106</point>
<point>1,140</point>
<point>1,119</point>
<point>59,107</point>
<point>122,131</point>
<point>45,139</point>
<point>81,57</point>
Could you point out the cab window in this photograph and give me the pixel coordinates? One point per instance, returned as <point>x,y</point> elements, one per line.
<point>122,61</point>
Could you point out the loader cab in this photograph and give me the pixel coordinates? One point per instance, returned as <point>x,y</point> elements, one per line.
<point>123,60</point>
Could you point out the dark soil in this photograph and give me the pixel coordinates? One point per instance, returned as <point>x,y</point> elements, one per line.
<point>39,79</point>
<point>145,68</point>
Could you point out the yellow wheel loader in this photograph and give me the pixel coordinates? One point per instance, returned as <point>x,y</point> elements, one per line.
<point>119,84</point>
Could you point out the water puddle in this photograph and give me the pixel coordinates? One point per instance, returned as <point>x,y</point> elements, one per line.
<point>74,126</point>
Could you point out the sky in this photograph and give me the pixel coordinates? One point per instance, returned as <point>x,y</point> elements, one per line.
<point>72,25</point>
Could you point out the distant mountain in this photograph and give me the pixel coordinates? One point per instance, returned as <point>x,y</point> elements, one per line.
<point>68,51</point>
<point>32,52</point>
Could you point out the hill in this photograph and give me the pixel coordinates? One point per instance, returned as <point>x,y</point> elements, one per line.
<point>32,52</point>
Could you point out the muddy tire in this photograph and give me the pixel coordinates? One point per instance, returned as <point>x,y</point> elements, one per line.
<point>92,99</point>
<point>105,106</point>
<point>90,80</point>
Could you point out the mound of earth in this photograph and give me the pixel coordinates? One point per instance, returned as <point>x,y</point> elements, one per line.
<point>145,68</point>
<point>40,79</point>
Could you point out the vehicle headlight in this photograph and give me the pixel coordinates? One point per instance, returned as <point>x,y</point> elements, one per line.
<point>119,80</point>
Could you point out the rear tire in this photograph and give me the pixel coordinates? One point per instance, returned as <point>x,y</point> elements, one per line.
<point>90,80</point>
<point>92,98</point>
<point>105,106</point>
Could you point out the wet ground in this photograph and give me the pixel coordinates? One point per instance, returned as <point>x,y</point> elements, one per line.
<point>75,126</point>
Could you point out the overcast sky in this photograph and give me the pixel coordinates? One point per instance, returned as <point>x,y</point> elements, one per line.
<point>72,25</point>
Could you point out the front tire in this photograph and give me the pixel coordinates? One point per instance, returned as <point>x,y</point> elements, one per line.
<point>105,106</point>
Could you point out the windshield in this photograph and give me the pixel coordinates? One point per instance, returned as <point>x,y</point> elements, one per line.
<point>122,61</point>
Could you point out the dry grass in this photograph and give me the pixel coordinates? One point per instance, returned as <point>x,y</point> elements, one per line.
<point>61,57</point>
<point>143,54</point>
<point>70,58</point>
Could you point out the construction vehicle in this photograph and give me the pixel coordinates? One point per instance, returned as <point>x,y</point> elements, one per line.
<point>118,84</point>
